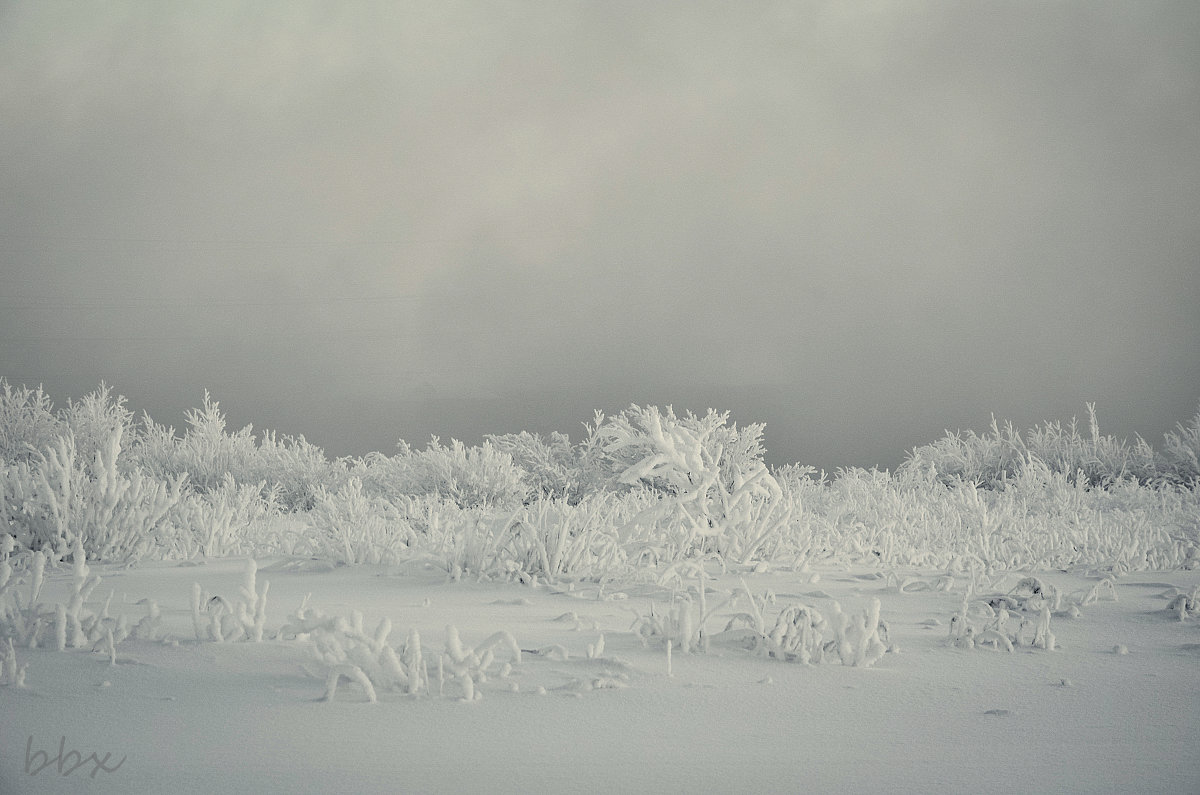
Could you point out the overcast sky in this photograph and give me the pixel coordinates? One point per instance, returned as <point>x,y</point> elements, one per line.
<point>859,222</point>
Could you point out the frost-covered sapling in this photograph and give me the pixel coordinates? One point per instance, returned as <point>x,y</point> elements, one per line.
<point>346,650</point>
<point>962,634</point>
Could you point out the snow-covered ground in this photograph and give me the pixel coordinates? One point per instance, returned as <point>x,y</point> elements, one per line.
<point>1114,707</point>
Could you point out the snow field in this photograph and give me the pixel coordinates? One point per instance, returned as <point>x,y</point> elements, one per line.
<point>245,716</point>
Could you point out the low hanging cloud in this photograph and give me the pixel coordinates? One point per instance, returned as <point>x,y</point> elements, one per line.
<point>861,223</point>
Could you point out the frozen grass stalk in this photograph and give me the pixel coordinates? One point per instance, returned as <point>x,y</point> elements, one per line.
<point>10,673</point>
<point>197,621</point>
<point>414,665</point>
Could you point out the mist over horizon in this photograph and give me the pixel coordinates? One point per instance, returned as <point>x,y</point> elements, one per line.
<point>862,225</point>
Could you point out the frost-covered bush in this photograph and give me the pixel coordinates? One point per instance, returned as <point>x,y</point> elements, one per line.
<point>552,465</point>
<point>1007,621</point>
<point>94,419</point>
<point>1040,520</point>
<point>711,475</point>
<point>30,623</point>
<point>290,468</point>
<point>645,445</point>
<point>27,423</point>
<point>556,538</point>
<point>60,499</point>
<point>470,477</point>
<point>350,526</point>
<point>345,650</point>
<point>218,522</point>
<point>206,453</point>
<point>995,458</point>
<point>1180,459</point>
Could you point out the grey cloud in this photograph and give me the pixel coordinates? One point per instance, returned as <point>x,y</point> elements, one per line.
<point>862,223</point>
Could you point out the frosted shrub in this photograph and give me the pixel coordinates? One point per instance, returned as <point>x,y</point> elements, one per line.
<point>120,516</point>
<point>1040,520</point>
<point>552,466</point>
<point>1096,460</point>
<point>470,477</point>
<point>352,527</point>
<point>60,499</point>
<point>673,453</point>
<point>289,469</point>
<point>345,650</point>
<point>987,623</point>
<point>95,419</point>
<point>967,456</point>
<point>1181,454</point>
<point>20,619</point>
<point>217,523</point>
<point>676,625</point>
<point>30,623</point>
<point>802,634</point>
<point>714,482</point>
<point>205,453</point>
<point>554,538</point>
<point>993,459</point>
<point>471,541</point>
<point>293,470</point>
<point>27,423</point>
